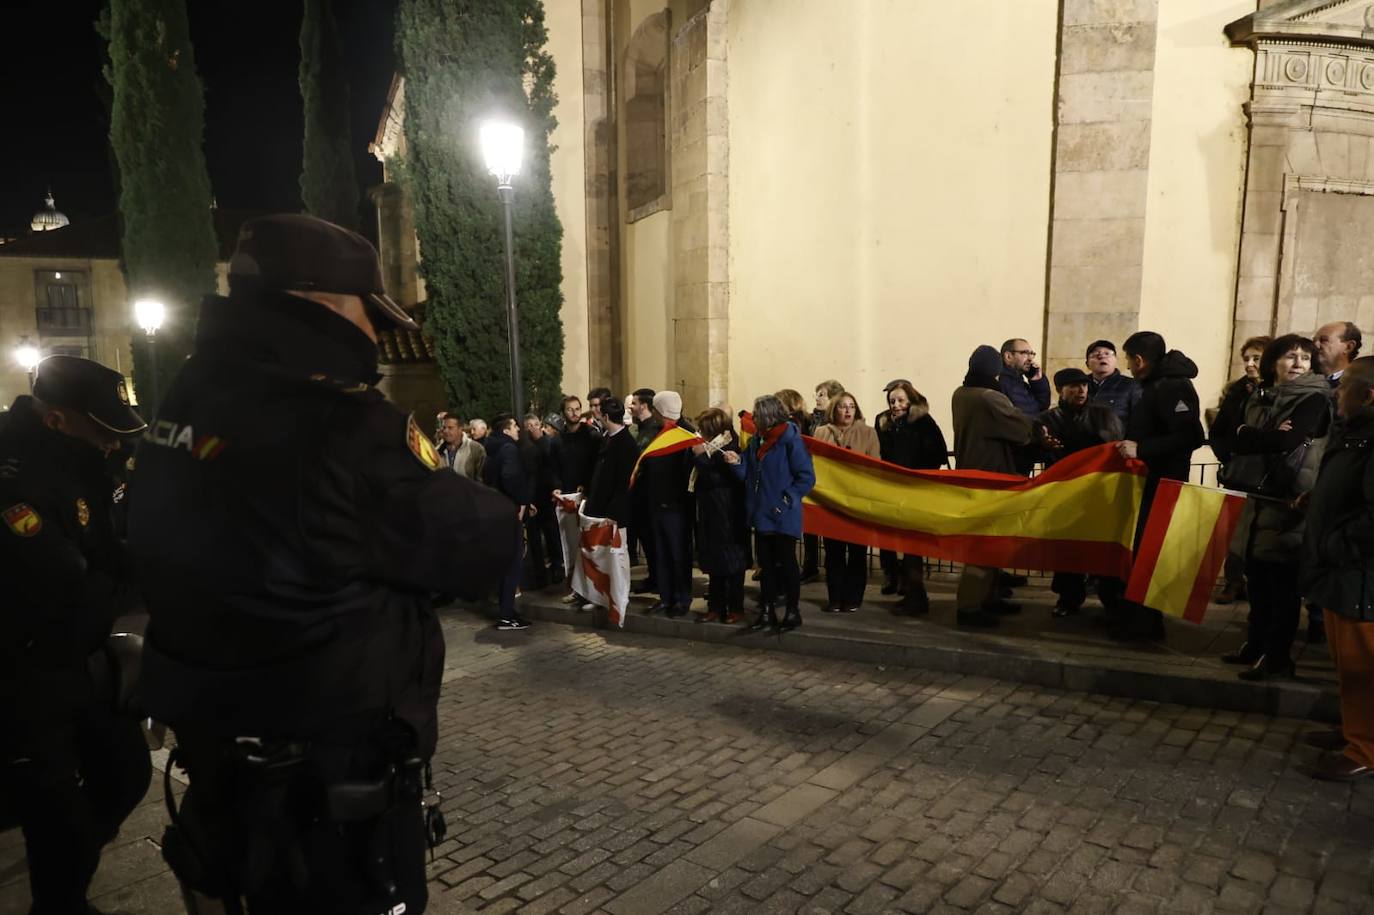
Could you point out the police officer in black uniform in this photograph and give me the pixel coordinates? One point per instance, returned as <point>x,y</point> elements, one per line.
<point>291,535</point>
<point>74,766</point>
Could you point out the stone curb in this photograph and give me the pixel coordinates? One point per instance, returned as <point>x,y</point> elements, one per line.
<point>1138,681</point>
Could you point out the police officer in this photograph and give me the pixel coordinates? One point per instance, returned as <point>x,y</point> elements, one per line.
<point>291,533</point>
<point>73,765</point>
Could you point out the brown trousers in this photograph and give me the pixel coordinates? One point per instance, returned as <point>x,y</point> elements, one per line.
<point>1352,648</point>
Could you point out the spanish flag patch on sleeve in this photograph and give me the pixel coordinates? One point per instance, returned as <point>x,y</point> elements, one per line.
<point>420,445</point>
<point>23,520</point>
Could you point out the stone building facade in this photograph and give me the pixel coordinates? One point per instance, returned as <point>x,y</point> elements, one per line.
<point>760,194</point>
<point>62,291</point>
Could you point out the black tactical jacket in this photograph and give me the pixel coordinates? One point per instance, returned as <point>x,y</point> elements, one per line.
<point>64,575</point>
<point>1166,422</point>
<point>291,532</point>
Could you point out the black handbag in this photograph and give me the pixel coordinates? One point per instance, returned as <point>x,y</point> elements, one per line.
<point>1271,474</point>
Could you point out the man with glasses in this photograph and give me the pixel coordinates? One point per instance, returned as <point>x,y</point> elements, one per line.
<point>1108,386</point>
<point>1028,390</point>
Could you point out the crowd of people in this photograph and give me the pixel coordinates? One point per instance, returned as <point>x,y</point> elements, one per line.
<point>1003,422</point>
<point>732,508</point>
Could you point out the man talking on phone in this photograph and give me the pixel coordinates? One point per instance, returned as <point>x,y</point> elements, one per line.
<point>1028,390</point>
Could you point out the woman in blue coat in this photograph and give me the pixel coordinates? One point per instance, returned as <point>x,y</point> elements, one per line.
<point>777,474</point>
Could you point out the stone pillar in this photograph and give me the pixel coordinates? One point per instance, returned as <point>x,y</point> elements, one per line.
<point>699,166</point>
<point>1101,166</point>
<point>1307,238</point>
<point>605,358</point>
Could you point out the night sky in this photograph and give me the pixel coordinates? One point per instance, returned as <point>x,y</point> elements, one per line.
<point>247,53</point>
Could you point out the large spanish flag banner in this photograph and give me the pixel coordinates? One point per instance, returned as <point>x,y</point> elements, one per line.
<point>1077,516</point>
<point>1183,548</point>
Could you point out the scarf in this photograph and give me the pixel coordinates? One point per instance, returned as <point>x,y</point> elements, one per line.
<point>771,437</point>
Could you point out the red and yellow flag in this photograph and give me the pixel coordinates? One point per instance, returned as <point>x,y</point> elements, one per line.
<point>671,440</point>
<point>1077,516</point>
<point>1183,547</point>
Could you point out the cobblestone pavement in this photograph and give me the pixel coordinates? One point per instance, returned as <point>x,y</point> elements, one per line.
<point>587,771</point>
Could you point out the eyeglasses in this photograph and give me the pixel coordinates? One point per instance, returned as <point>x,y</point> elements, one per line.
<point>1100,354</point>
<point>1024,352</point>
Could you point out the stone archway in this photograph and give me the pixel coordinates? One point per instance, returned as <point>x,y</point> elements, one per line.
<point>1307,241</point>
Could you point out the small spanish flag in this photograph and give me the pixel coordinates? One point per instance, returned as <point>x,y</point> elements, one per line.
<point>1183,548</point>
<point>22,520</point>
<point>671,440</point>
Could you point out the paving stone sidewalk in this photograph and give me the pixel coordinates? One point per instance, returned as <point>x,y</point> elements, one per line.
<point>1073,652</point>
<point>589,771</point>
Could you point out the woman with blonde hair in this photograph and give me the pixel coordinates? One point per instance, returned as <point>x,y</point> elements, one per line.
<point>846,564</point>
<point>795,405</point>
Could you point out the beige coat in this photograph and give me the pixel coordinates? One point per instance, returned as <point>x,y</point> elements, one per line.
<point>860,437</point>
<point>986,428</point>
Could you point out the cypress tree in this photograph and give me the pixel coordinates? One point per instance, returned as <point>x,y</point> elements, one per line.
<point>465,60</point>
<point>156,128</point>
<point>329,186</point>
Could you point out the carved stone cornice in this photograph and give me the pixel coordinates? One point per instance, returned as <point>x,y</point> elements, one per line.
<point>1337,22</point>
<point>391,126</point>
<point>1310,55</point>
<point>1343,23</point>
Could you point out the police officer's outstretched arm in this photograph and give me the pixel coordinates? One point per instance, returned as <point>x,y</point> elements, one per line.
<point>438,532</point>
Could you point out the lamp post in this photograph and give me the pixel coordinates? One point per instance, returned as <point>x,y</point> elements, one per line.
<point>150,313</point>
<point>503,143</point>
<point>27,355</point>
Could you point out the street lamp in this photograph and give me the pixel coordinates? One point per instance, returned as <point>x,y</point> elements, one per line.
<point>150,313</point>
<point>503,143</point>
<point>27,355</point>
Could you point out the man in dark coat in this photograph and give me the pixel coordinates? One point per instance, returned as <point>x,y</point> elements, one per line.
<point>1337,568</point>
<point>541,526</point>
<point>608,495</point>
<point>505,472</point>
<point>576,448</point>
<point>1026,386</point>
<point>1164,430</point>
<point>988,429</point>
<point>647,425</point>
<point>1107,385</point>
<point>1072,426</point>
<point>72,766</point>
<point>661,485</point>
<point>291,532</point>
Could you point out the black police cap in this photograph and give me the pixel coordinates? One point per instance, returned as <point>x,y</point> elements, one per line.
<point>1070,376</point>
<point>80,384</point>
<point>296,251</point>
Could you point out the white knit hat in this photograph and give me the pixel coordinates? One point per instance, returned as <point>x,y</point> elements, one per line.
<point>669,403</point>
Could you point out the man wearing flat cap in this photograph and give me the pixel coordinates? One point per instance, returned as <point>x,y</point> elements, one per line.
<point>1075,424</point>
<point>72,766</point>
<point>291,534</point>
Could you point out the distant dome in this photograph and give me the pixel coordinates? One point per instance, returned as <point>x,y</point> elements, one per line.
<point>48,218</point>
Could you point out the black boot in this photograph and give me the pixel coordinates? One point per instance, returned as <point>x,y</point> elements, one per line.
<point>790,620</point>
<point>767,619</point>
<point>914,599</point>
<point>1246,654</point>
